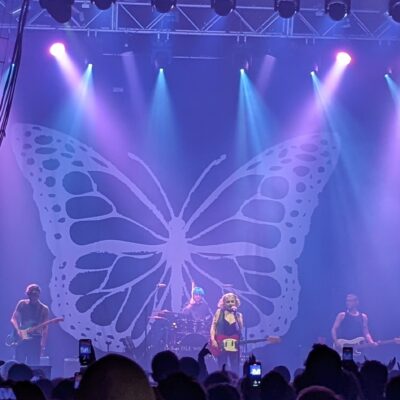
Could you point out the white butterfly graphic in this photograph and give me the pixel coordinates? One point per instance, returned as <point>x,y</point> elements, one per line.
<point>114,238</point>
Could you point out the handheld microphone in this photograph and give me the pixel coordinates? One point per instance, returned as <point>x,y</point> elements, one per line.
<point>234,309</point>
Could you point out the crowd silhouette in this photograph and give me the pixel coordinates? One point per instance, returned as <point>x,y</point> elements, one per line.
<point>324,376</point>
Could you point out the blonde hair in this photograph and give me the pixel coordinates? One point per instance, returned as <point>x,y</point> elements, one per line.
<point>221,301</point>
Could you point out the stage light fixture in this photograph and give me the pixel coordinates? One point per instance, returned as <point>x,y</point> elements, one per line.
<point>287,8</point>
<point>60,10</point>
<point>223,7</point>
<point>103,4</point>
<point>57,50</point>
<point>337,9</point>
<point>343,58</point>
<point>394,10</point>
<point>163,6</point>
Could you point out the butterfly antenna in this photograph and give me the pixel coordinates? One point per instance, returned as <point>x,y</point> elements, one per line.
<point>200,180</point>
<point>156,181</point>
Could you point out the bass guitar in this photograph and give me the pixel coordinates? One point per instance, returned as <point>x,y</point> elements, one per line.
<point>232,343</point>
<point>360,343</point>
<point>13,338</point>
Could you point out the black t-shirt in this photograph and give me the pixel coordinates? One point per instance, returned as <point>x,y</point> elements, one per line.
<point>31,314</point>
<point>197,311</point>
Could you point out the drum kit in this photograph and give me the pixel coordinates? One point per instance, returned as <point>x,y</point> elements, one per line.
<point>180,333</point>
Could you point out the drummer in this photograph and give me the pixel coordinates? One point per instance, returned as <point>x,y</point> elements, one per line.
<point>197,308</point>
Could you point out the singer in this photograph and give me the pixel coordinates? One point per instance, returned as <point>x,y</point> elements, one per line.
<point>225,332</point>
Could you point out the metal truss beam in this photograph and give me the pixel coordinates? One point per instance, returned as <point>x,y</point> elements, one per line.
<point>192,18</point>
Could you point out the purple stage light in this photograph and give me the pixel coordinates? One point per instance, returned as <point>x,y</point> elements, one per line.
<point>57,49</point>
<point>343,58</point>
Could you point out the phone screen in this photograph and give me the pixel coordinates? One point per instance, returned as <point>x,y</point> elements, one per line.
<point>255,373</point>
<point>86,355</point>
<point>347,354</point>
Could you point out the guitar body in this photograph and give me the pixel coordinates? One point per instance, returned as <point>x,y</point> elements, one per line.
<point>232,343</point>
<point>354,343</point>
<point>225,343</point>
<point>13,339</point>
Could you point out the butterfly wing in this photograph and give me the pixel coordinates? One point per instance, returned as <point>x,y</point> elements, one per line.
<point>107,235</point>
<point>248,233</point>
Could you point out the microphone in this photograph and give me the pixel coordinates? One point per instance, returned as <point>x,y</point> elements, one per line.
<point>161,285</point>
<point>234,309</point>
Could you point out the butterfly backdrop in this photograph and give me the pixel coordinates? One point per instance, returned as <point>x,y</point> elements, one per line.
<point>177,179</point>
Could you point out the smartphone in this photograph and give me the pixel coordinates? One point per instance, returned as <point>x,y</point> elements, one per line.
<point>255,373</point>
<point>347,354</point>
<point>86,352</point>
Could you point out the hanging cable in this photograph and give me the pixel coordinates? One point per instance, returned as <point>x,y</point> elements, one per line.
<point>11,80</point>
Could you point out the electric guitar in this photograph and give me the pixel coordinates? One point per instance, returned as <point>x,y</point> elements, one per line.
<point>13,338</point>
<point>232,343</point>
<point>360,343</point>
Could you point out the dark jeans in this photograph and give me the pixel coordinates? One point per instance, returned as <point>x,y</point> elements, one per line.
<point>231,359</point>
<point>28,351</point>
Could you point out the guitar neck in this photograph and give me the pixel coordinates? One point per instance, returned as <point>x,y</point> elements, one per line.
<point>43,324</point>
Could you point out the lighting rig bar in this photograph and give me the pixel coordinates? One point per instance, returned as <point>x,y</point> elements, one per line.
<point>194,19</point>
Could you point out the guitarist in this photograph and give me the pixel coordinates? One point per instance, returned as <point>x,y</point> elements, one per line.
<point>351,324</point>
<point>28,313</point>
<point>227,321</point>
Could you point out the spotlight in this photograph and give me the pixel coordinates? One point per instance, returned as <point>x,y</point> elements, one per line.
<point>163,6</point>
<point>287,8</point>
<point>337,9</point>
<point>60,10</point>
<point>343,58</point>
<point>161,59</point>
<point>394,10</point>
<point>223,7</point>
<point>57,50</point>
<point>103,4</point>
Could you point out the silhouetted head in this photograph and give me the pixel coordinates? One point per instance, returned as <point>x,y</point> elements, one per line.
<point>223,391</point>
<point>317,393</point>
<point>114,377</point>
<point>373,378</point>
<point>215,378</point>
<point>179,386</point>
<point>28,390</point>
<point>164,364</point>
<point>284,372</point>
<point>393,389</point>
<point>190,367</point>
<point>20,372</point>
<point>274,387</point>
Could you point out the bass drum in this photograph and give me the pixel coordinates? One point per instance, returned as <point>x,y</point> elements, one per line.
<point>190,345</point>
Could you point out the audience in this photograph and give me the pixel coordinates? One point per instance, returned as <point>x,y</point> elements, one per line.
<point>115,377</point>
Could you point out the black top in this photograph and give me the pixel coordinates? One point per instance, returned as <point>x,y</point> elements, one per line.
<point>197,311</point>
<point>351,326</point>
<point>225,328</point>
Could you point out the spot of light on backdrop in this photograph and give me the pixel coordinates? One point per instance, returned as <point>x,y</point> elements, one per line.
<point>287,8</point>
<point>223,7</point>
<point>337,9</point>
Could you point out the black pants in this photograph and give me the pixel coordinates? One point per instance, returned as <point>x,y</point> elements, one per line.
<point>28,351</point>
<point>231,359</point>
